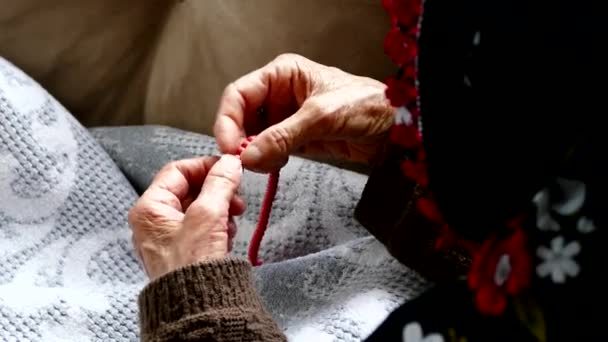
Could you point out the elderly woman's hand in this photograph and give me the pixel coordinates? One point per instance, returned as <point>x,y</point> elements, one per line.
<point>297,105</point>
<point>185,216</point>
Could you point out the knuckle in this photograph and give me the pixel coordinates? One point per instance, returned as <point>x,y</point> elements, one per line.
<point>205,210</point>
<point>315,107</point>
<point>282,138</point>
<point>132,215</point>
<point>290,58</point>
<point>225,174</point>
<point>224,179</point>
<point>134,241</point>
<point>142,216</point>
<point>322,119</point>
<point>326,117</point>
<point>149,226</point>
<point>137,213</point>
<point>286,57</point>
<point>335,70</point>
<point>167,167</point>
<point>229,89</point>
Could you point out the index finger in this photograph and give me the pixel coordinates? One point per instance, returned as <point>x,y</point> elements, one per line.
<point>219,188</point>
<point>179,179</point>
<point>240,101</point>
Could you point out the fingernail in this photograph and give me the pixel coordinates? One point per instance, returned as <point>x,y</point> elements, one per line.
<point>252,154</point>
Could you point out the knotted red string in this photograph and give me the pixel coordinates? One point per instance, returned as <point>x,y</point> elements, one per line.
<point>265,209</point>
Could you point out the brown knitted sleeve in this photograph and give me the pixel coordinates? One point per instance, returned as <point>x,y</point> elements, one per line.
<point>209,301</point>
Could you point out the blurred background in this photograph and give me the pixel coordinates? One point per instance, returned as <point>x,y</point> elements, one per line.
<point>115,62</point>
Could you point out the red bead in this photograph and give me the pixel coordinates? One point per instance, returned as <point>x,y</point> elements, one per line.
<point>400,92</point>
<point>399,47</point>
<point>405,136</point>
<point>409,72</point>
<point>404,12</point>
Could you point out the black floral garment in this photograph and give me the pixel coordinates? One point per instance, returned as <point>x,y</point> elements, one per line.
<point>509,99</point>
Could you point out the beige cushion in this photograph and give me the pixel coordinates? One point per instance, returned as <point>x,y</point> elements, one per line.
<point>93,55</point>
<point>167,62</point>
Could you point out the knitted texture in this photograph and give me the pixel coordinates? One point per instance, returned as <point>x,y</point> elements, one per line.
<point>224,285</point>
<point>67,267</point>
<point>212,300</point>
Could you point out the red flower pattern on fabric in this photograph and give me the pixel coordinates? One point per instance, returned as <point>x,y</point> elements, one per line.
<point>502,267</point>
<point>400,92</point>
<point>417,172</point>
<point>399,47</point>
<point>500,270</point>
<point>429,209</point>
<point>406,136</point>
<point>447,238</point>
<point>403,12</point>
<point>408,73</point>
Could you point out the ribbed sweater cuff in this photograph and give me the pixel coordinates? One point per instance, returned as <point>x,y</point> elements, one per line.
<point>195,289</point>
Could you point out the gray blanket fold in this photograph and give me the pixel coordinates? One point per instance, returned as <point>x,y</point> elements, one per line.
<point>67,269</point>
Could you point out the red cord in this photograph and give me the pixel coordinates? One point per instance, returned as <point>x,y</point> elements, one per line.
<point>260,229</point>
<point>265,209</point>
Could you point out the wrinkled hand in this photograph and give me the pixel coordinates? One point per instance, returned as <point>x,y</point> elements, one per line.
<point>295,105</point>
<point>185,216</point>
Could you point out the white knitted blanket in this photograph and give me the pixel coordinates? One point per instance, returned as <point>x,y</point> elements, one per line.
<point>67,269</point>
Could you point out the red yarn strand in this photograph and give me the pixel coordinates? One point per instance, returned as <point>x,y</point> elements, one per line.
<point>260,229</point>
<point>265,210</point>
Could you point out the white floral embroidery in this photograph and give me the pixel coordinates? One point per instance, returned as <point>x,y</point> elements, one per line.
<point>467,81</point>
<point>503,270</point>
<point>571,201</point>
<point>559,260</point>
<point>477,38</point>
<point>574,193</point>
<point>585,225</point>
<point>413,333</point>
<point>476,41</point>
<point>403,116</point>
<point>544,221</point>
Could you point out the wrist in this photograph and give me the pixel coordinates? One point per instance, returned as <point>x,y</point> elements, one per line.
<point>160,266</point>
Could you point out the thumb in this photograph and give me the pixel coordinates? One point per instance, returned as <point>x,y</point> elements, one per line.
<point>220,187</point>
<point>270,149</point>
